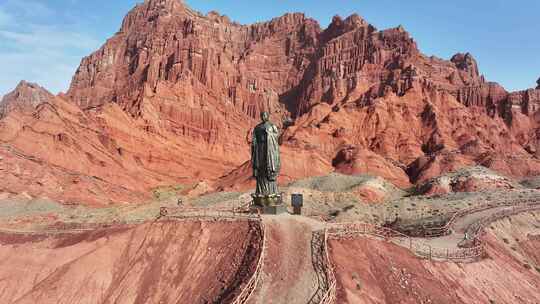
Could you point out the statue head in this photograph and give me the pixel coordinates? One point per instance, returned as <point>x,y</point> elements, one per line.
<point>265,117</point>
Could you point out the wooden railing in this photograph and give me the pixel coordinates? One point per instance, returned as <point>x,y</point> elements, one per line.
<point>446,228</point>
<point>218,214</point>
<point>475,231</point>
<point>473,251</point>
<point>69,228</point>
<point>255,279</point>
<point>330,296</point>
<point>417,246</point>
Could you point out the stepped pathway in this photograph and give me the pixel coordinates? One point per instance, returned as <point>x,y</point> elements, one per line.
<point>288,276</point>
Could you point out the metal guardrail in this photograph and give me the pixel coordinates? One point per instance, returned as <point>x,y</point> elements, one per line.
<point>216,214</point>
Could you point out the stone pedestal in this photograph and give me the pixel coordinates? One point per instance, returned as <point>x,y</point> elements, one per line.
<point>268,204</point>
<point>270,210</point>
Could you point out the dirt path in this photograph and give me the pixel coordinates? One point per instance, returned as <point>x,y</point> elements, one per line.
<point>288,273</point>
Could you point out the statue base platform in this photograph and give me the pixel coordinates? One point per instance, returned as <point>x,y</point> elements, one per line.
<point>268,200</point>
<point>272,204</point>
<point>269,210</point>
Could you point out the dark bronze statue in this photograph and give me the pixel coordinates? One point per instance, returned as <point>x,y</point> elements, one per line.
<point>265,160</point>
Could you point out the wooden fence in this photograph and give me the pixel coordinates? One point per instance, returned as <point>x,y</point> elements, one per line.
<point>476,230</point>
<point>446,228</point>
<point>471,251</point>
<point>255,279</point>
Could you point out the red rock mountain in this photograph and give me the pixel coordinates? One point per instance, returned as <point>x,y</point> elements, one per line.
<point>172,96</point>
<point>25,97</point>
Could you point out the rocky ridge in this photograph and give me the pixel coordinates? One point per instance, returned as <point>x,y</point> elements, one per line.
<point>25,97</point>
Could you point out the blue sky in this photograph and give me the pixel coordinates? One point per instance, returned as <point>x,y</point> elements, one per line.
<point>43,40</point>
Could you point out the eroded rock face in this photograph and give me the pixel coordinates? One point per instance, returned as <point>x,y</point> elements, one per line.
<point>26,97</point>
<point>167,55</point>
<point>171,98</point>
<point>349,85</point>
<point>525,111</point>
<point>466,63</point>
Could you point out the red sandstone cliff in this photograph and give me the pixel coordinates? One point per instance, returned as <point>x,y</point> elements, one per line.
<point>171,97</point>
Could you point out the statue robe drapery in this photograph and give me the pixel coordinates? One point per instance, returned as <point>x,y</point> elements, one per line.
<point>265,158</point>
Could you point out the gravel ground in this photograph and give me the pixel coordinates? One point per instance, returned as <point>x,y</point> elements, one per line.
<point>341,183</point>
<point>532,183</point>
<point>331,198</point>
<point>29,213</point>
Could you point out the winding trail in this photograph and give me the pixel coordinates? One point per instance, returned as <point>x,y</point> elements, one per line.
<point>459,228</point>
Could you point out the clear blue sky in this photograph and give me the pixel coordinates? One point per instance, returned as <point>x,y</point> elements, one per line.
<point>43,40</point>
